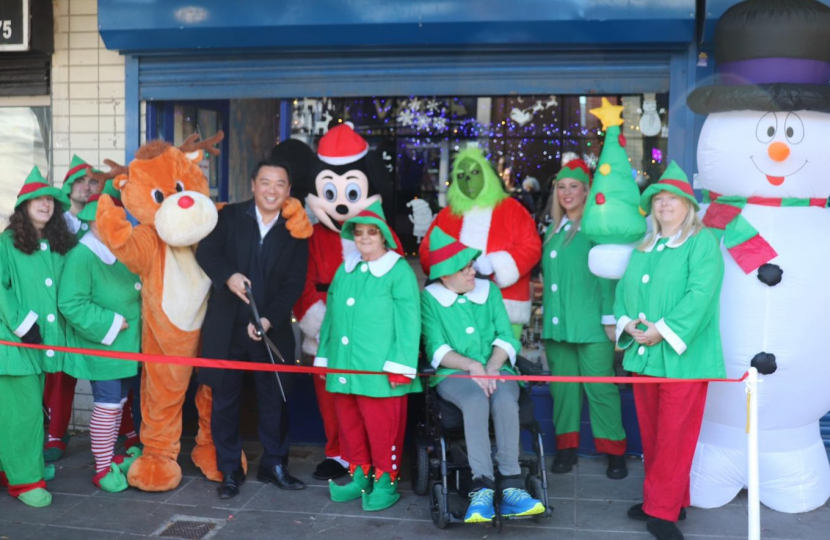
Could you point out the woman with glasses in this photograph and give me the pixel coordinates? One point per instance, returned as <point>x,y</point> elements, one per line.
<point>372,323</point>
<point>667,308</point>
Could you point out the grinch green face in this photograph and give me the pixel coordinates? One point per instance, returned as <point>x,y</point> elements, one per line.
<point>470,177</point>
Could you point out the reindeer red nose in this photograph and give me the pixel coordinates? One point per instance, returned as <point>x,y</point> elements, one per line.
<point>186,202</point>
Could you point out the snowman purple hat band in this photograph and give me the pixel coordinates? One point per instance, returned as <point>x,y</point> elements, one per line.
<point>774,70</point>
<point>770,56</point>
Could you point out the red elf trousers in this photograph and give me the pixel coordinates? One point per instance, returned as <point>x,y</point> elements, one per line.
<point>58,396</point>
<point>372,431</point>
<point>670,415</point>
<point>328,411</point>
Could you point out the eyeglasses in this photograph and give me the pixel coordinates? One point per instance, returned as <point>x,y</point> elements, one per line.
<point>370,232</point>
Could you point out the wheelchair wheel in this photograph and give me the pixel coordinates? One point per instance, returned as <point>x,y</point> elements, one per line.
<point>438,507</point>
<point>534,486</point>
<point>420,470</point>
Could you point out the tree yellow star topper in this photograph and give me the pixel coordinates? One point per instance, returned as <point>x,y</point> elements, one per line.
<point>609,115</point>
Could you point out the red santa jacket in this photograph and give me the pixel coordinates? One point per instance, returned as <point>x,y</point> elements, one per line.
<point>507,233</point>
<point>326,251</point>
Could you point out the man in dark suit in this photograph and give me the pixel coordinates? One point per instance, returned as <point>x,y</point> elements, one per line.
<point>253,244</point>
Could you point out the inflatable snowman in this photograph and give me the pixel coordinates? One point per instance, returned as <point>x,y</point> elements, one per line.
<point>764,158</point>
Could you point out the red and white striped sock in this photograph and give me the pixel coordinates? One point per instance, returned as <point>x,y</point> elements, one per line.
<point>103,430</point>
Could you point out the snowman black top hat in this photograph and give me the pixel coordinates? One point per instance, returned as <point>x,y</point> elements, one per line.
<point>771,55</point>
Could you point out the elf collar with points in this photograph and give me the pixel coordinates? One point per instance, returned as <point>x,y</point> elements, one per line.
<point>673,242</point>
<point>447,298</point>
<point>378,267</point>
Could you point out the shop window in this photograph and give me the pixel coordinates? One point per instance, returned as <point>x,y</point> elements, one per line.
<point>527,139</point>
<point>25,141</point>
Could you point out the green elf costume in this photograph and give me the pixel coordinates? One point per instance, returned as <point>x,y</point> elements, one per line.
<point>372,323</point>
<point>59,391</point>
<point>28,314</point>
<point>673,283</point>
<point>98,295</point>
<point>576,305</point>
<point>473,326</point>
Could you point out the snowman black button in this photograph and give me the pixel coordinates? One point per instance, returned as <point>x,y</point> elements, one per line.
<point>764,363</point>
<point>770,274</point>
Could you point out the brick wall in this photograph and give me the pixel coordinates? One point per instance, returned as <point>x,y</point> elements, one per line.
<point>87,111</point>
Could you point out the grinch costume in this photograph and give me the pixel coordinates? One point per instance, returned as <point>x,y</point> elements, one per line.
<point>577,304</point>
<point>473,325</point>
<point>98,294</point>
<point>29,314</point>
<point>372,323</point>
<point>483,216</point>
<point>674,283</point>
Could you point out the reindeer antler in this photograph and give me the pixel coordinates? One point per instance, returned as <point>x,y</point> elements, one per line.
<point>115,170</point>
<point>192,143</point>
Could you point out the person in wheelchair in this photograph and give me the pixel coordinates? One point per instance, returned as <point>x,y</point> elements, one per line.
<point>466,330</point>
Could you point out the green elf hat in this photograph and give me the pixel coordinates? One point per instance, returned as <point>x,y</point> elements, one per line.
<point>674,180</point>
<point>372,215</point>
<point>576,169</point>
<point>36,186</point>
<point>78,168</point>
<point>91,207</point>
<point>447,255</point>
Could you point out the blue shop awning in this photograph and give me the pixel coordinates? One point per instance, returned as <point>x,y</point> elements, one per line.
<point>180,25</point>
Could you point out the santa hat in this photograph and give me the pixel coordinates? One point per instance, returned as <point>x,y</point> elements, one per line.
<point>576,169</point>
<point>342,145</point>
<point>447,255</point>
<point>372,215</point>
<point>78,168</point>
<point>674,180</point>
<point>91,208</point>
<point>36,186</point>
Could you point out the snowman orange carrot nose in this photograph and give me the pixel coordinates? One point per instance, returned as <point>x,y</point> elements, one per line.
<point>778,151</point>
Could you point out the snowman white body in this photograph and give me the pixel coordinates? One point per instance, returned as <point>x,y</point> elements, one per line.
<point>789,320</point>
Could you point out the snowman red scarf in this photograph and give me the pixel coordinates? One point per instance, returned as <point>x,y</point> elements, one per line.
<point>743,241</point>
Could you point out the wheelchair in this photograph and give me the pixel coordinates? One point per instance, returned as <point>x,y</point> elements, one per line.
<point>439,462</point>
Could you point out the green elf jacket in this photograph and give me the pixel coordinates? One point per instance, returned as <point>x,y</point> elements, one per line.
<point>97,293</point>
<point>576,303</point>
<point>28,295</point>
<point>470,324</point>
<point>676,285</point>
<point>372,323</point>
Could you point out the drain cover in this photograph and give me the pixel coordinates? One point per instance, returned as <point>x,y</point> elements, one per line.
<point>189,528</point>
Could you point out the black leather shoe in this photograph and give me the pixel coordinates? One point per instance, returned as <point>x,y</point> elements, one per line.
<point>663,529</point>
<point>636,513</point>
<point>617,469</point>
<point>329,469</point>
<point>278,475</point>
<point>229,487</point>
<point>564,461</point>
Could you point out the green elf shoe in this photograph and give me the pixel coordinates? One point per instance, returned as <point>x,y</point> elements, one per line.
<point>112,481</point>
<point>54,449</point>
<point>124,461</point>
<point>383,495</point>
<point>361,482</point>
<point>36,498</point>
<point>49,473</point>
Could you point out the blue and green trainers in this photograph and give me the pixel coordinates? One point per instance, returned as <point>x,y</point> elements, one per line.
<point>481,507</point>
<point>517,502</point>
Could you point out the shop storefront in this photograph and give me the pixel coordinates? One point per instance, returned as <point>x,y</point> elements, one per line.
<point>418,79</point>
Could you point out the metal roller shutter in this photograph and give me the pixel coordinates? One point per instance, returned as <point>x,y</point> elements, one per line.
<point>25,74</point>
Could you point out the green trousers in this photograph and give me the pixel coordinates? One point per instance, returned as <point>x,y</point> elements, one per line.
<point>587,360</point>
<point>21,428</point>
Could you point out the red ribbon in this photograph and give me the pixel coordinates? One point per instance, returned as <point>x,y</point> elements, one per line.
<point>294,368</point>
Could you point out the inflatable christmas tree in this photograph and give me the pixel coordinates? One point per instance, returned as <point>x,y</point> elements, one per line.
<point>612,214</point>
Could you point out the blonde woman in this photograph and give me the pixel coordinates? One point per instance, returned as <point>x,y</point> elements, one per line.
<point>578,329</point>
<point>667,320</point>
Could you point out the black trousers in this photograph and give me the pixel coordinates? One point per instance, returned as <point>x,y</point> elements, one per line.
<point>227,402</point>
